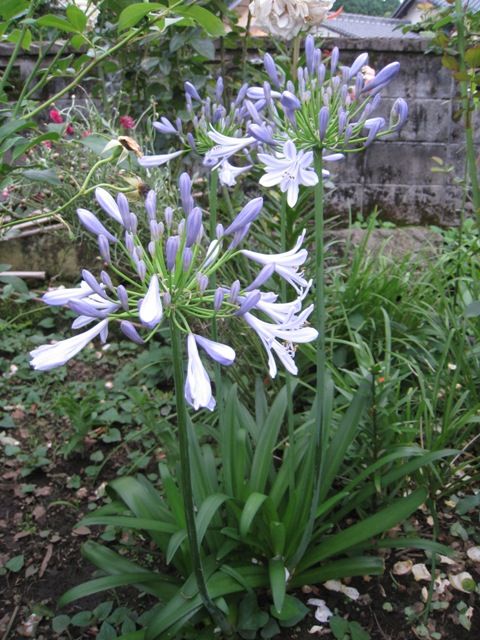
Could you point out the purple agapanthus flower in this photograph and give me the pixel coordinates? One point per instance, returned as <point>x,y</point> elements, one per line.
<point>164,272</point>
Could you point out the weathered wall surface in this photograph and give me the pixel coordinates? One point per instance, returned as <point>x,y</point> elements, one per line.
<point>396,175</point>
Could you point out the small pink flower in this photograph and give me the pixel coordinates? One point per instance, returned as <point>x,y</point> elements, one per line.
<point>127,122</point>
<point>86,133</point>
<point>56,116</point>
<point>70,130</point>
<point>47,144</point>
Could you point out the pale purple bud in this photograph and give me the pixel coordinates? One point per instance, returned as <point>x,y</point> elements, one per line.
<point>241,95</point>
<point>218,298</point>
<point>207,110</point>
<point>374,126</point>
<point>253,112</point>
<point>334,60</point>
<point>107,281</point>
<point>155,230</point>
<point>321,71</point>
<point>218,114</point>
<point>192,91</point>
<point>141,270</point>
<point>129,330</point>
<point>267,92</point>
<point>92,283</point>
<point>193,226</point>
<point>191,141</point>
<point>185,187</point>
<point>188,102</point>
<point>83,308</point>
<point>290,101</point>
<point>132,222</point>
<point>323,120</point>
<point>375,103</point>
<point>359,80</point>
<point>348,133</point>
<point>108,204</point>
<point>264,275</point>
<point>310,52</point>
<point>219,231</point>
<point>202,280</point>
<point>123,207</point>
<point>219,89</point>
<point>181,227</point>
<point>398,114</point>
<point>261,133</point>
<point>249,302</point>
<point>333,157</point>
<point>104,248</point>
<point>271,69</point>
<point>342,119</point>
<point>345,74</point>
<point>358,64</point>
<point>343,93</point>
<point>179,124</point>
<point>335,83</point>
<point>383,77</point>
<point>152,248</point>
<point>93,224</point>
<point>151,205</point>
<point>187,258</point>
<point>122,296</point>
<point>238,236</point>
<point>248,214</point>
<point>167,299</point>
<point>164,126</point>
<point>317,59</point>
<point>171,250</point>
<point>234,291</point>
<point>168,217</point>
<point>129,243</point>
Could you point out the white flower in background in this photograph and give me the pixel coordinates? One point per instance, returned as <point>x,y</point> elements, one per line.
<point>286,18</point>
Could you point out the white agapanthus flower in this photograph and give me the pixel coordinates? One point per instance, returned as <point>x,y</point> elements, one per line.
<point>286,18</point>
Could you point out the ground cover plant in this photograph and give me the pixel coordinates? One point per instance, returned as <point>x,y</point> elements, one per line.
<point>344,442</point>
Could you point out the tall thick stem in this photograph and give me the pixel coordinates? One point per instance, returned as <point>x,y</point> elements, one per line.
<point>288,377</point>
<point>467,108</point>
<point>213,206</point>
<point>320,304</point>
<point>186,482</point>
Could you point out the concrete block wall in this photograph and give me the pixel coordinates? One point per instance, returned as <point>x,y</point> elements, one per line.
<point>396,175</point>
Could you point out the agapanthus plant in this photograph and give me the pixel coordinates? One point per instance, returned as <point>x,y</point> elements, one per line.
<point>165,277</point>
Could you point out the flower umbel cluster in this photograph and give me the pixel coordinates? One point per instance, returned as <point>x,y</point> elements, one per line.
<point>159,268</point>
<point>213,126</point>
<point>329,110</point>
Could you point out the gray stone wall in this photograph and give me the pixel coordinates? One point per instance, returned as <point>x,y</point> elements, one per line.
<point>395,176</point>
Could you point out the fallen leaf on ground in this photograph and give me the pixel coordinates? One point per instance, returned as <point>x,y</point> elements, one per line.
<point>402,567</point>
<point>462,582</point>
<point>46,560</point>
<point>420,572</point>
<point>336,585</point>
<point>474,554</point>
<point>322,612</point>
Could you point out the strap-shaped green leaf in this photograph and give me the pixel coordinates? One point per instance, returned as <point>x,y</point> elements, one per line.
<point>344,568</point>
<point>380,522</point>
<point>128,522</point>
<point>277,576</point>
<point>252,506</point>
